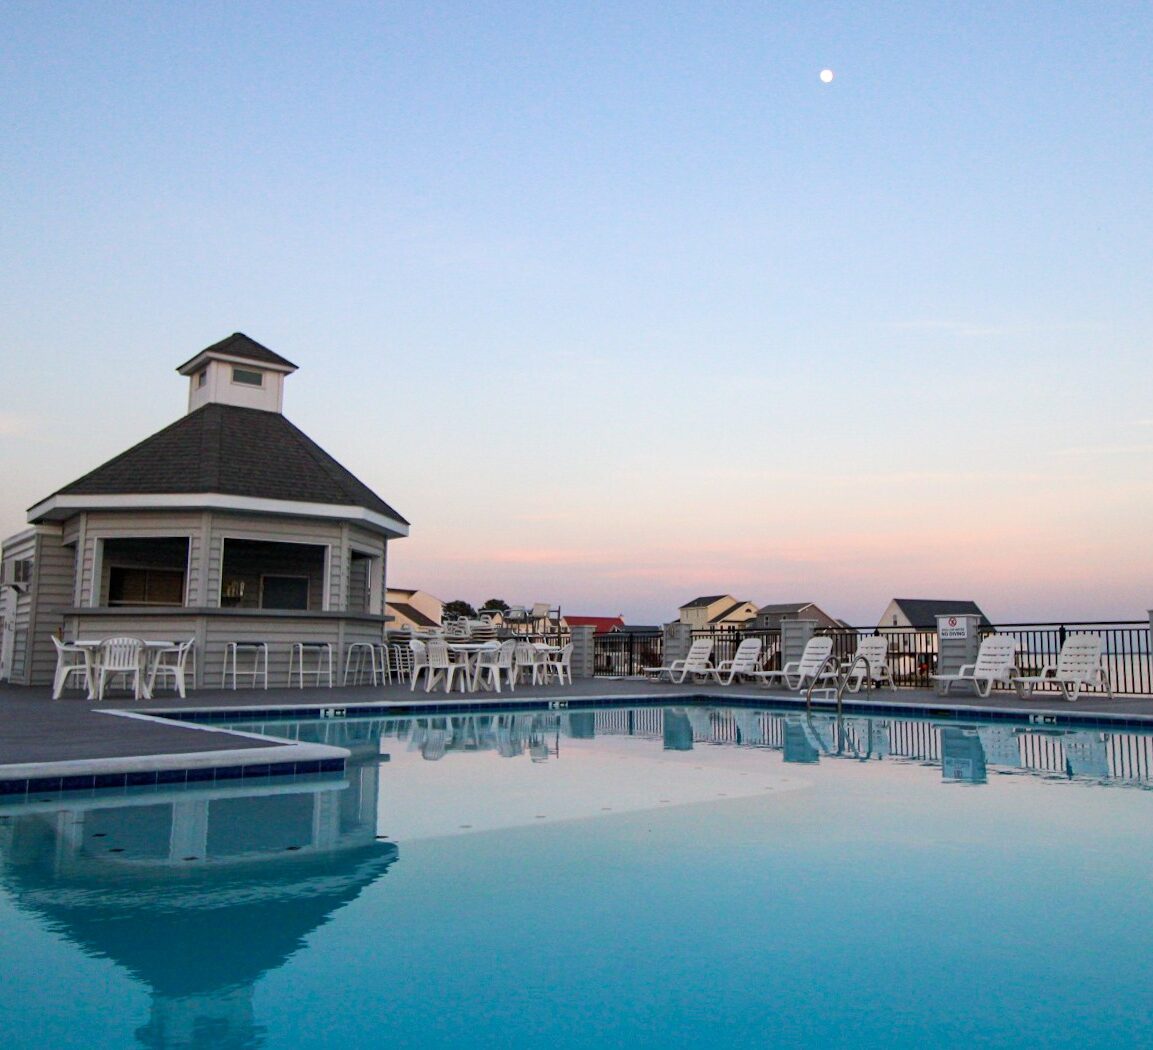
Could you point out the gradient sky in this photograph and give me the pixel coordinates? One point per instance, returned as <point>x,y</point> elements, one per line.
<point>617,303</point>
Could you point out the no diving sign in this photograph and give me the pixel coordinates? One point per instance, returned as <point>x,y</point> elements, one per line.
<point>953,627</point>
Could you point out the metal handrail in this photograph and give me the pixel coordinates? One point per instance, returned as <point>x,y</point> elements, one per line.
<point>830,659</point>
<point>843,680</point>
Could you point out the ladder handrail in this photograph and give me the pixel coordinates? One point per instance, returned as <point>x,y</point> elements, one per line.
<point>843,680</point>
<point>830,659</point>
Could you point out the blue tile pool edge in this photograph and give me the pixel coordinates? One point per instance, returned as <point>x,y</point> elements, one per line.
<point>893,709</point>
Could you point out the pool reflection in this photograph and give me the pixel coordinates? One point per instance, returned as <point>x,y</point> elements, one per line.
<point>197,893</point>
<point>166,883</point>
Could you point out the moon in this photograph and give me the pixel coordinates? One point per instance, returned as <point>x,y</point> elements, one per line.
<point>826,76</point>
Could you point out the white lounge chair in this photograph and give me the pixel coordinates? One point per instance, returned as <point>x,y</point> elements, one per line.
<point>875,650</point>
<point>699,660</point>
<point>810,667</point>
<point>1078,664</point>
<point>745,660</point>
<point>996,663</point>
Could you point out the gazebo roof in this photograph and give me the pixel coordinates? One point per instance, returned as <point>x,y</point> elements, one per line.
<point>225,451</point>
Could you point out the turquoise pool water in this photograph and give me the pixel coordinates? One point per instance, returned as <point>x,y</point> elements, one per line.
<point>640,878</point>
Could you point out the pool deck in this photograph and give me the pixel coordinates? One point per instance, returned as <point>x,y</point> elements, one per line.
<point>73,739</point>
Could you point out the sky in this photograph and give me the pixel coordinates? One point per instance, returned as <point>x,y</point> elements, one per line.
<point>617,303</point>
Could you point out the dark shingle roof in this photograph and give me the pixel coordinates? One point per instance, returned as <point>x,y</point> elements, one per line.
<point>727,613</point>
<point>708,600</point>
<point>411,612</point>
<point>231,451</point>
<point>923,612</point>
<point>240,345</point>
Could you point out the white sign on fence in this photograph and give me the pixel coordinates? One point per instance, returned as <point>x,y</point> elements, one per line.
<point>953,627</point>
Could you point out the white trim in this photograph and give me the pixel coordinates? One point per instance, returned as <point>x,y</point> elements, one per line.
<point>74,504</point>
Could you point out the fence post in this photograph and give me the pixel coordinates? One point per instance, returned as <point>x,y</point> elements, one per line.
<point>795,635</point>
<point>583,656</point>
<point>958,639</point>
<point>676,641</point>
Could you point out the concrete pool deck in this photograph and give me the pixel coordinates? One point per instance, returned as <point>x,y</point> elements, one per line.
<point>43,739</point>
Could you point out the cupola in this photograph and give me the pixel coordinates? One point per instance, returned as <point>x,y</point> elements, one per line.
<point>237,371</point>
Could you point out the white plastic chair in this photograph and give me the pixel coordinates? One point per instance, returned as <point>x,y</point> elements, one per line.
<point>1079,664</point>
<point>170,663</point>
<point>120,656</point>
<point>441,666</point>
<point>996,663</point>
<point>560,664</point>
<point>497,664</point>
<point>419,651</point>
<point>529,659</point>
<point>745,660</point>
<point>70,660</point>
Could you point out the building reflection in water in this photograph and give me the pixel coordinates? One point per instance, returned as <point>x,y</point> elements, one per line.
<point>197,892</point>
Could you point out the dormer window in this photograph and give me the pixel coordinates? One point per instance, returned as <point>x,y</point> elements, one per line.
<point>202,377</point>
<point>248,377</point>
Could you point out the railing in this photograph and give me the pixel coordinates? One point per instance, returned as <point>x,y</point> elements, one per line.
<point>912,651</point>
<point>625,655</point>
<point>1124,646</point>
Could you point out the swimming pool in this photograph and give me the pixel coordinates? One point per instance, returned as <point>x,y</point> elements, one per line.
<point>644,877</point>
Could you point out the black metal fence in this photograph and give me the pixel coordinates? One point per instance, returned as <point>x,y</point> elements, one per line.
<point>912,651</point>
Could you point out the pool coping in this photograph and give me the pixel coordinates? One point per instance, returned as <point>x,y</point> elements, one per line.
<point>275,758</point>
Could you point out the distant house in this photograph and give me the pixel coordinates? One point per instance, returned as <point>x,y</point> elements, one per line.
<point>228,525</point>
<point>717,611</point>
<point>922,613</point>
<point>599,624</point>
<point>769,617</point>
<point>416,609</point>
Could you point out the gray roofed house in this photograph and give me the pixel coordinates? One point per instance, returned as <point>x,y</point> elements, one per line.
<point>769,617</point>
<point>922,613</point>
<point>230,524</point>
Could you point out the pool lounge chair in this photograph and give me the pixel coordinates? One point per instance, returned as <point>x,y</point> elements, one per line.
<point>811,667</point>
<point>745,661</point>
<point>996,663</point>
<point>875,650</point>
<point>699,660</point>
<point>1078,664</point>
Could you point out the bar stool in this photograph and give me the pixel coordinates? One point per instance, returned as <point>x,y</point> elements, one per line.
<point>400,660</point>
<point>259,668</point>
<point>359,658</point>
<point>383,664</point>
<point>323,653</point>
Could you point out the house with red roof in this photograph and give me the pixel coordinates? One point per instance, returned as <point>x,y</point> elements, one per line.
<point>600,624</point>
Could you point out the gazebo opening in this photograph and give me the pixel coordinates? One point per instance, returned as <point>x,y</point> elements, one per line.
<point>145,571</point>
<point>261,574</point>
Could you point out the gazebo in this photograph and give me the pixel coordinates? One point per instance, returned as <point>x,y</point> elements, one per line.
<point>228,526</point>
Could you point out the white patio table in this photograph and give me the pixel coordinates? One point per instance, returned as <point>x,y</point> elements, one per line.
<point>468,653</point>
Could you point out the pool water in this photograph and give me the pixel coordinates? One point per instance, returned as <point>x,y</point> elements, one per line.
<point>642,878</point>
